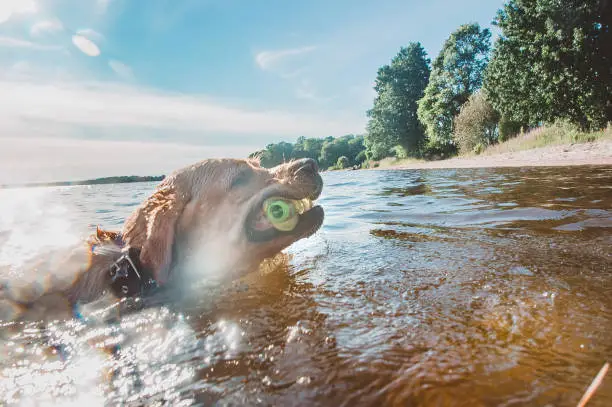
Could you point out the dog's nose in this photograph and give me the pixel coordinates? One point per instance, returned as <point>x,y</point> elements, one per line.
<point>306,164</point>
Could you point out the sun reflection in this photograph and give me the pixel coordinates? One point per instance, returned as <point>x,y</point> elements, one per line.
<point>296,331</point>
<point>53,382</point>
<point>70,363</point>
<point>150,363</point>
<point>34,223</point>
<point>92,399</point>
<point>34,226</point>
<point>229,336</point>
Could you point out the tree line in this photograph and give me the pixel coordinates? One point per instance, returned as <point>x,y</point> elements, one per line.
<point>551,62</point>
<point>122,179</point>
<point>330,152</point>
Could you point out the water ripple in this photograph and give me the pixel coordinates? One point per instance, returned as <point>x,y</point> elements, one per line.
<point>424,287</point>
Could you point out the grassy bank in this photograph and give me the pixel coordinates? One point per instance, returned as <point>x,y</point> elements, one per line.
<point>391,162</point>
<point>553,135</point>
<point>558,134</point>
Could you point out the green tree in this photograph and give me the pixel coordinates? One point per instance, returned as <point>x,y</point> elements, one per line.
<point>307,148</point>
<point>508,128</point>
<point>355,147</point>
<point>325,150</point>
<point>343,162</point>
<point>476,124</point>
<point>393,118</point>
<point>360,158</point>
<point>552,61</point>
<point>377,146</point>
<point>457,73</point>
<point>332,149</point>
<point>264,157</point>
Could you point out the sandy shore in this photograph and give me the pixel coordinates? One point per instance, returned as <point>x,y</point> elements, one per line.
<point>596,153</point>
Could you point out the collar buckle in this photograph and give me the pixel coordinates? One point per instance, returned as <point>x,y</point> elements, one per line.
<point>127,279</point>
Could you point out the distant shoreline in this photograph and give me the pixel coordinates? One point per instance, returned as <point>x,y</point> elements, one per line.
<point>595,153</point>
<point>97,181</point>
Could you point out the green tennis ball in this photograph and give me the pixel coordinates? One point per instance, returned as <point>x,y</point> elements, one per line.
<point>281,213</point>
<point>278,211</point>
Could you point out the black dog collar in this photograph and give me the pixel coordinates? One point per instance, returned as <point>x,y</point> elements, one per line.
<point>128,277</point>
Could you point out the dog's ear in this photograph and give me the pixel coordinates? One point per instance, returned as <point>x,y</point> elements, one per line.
<point>152,229</point>
<point>106,235</point>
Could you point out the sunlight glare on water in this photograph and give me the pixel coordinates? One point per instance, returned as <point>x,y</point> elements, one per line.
<point>32,221</point>
<point>482,287</point>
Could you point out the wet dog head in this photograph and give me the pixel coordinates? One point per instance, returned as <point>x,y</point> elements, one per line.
<point>208,218</point>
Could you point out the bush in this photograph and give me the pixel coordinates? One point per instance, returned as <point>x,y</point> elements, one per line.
<point>562,132</point>
<point>476,124</point>
<point>479,148</point>
<point>343,162</point>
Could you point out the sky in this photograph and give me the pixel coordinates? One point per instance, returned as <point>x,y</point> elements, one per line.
<point>92,88</point>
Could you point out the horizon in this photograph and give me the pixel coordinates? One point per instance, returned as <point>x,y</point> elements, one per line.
<point>101,88</point>
<point>90,181</point>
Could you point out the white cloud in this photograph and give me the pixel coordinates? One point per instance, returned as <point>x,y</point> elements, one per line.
<point>32,68</point>
<point>12,42</point>
<point>87,46</point>
<point>272,60</point>
<point>107,106</point>
<point>292,65</point>
<point>90,34</point>
<point>46,26</point>
<point>10,7</point>
<point>121,69</point>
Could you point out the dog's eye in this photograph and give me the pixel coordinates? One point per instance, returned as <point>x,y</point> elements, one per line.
<point>241,179</point>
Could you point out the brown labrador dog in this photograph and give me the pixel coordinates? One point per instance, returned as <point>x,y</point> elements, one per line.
<point>202,221</point>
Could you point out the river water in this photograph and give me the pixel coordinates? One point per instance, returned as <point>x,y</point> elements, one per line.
<point>485,287</point>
